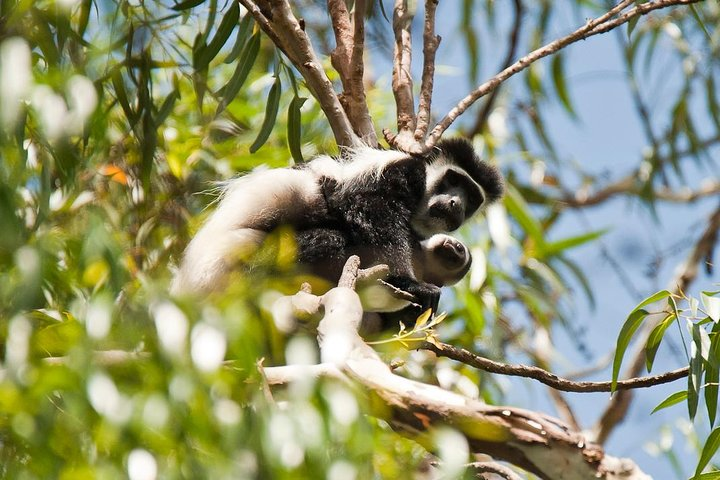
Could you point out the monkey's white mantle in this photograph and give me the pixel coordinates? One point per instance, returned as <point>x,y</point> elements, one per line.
<point>535,442</point>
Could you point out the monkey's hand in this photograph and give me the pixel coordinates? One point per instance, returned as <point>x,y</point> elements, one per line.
<point>426,295</point>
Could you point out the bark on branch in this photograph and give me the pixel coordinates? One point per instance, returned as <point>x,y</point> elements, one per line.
<point>543,376</point>
<point>535,442</point>
<point>277,20</point>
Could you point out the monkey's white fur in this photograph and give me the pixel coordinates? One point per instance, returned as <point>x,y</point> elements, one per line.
<point>269,196</point>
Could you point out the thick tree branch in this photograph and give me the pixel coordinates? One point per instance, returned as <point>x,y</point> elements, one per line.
<point>491,470</point>
<point>618,406</point>
<point>402,83</point>
<point>545,377</point>
<point>630,185</point>
<point>593,27</point>
<point>347,59</point>
<point>535,442</point>
<point>286,33</point>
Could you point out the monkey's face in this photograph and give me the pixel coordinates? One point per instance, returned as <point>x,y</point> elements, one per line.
<point>451,197</point>
<point>445,260</point>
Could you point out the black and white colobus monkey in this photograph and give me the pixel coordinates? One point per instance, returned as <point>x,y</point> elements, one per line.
<point>380,204</point>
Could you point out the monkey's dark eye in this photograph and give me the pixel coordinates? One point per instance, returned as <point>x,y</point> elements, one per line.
<point>452,180</point>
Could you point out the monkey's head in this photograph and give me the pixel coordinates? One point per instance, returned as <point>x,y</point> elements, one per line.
<point>458,183</point>
<point>444,261</point>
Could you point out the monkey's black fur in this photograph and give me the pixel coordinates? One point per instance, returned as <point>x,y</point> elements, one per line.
<point>373,219</point>
<point>378,204</point>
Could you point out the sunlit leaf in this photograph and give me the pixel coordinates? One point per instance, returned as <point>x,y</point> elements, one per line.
<point>673,399</point>
<point>629,328</point>
<point>712,305</point>
<point>655,338</point>
<point>421,320</point>
<point>521,212</point>
<point>711,447</point>
<point>550,249</point>
<point>696,371</point>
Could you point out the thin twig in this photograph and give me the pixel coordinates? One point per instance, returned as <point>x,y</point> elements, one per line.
<point>511,52</point>
<point>545,377</point>
<point>592,27</point>
<point>430,46</point>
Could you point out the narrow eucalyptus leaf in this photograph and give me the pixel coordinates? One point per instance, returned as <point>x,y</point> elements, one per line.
<point>711,447</point>
<point>271,110</point>
<point>673,399</point>
<point>245,63</point>
<point>186,5</point>
<point>629,328</point>
<point>241,38</point>
<point>294,134</point>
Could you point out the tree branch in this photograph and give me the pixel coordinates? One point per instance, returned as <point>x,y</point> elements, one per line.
<point>482,118</point>
<point>402,83</point>
<point>347,59</point>
<point>493,470</point>
<point>543,376</point>
<point>285,31</point>
<point>430,46</point>
<point>593,27</point>
<point>535,442</point>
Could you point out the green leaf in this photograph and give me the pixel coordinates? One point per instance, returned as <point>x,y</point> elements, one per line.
<point>714,475</point>
<point>696,370</point>
<point>241,38</point>
<point>294,128</point>
<point>558,75</point>
<point>553,248</point>
<point>520,210</point>
<point>673,399</point>
<point>655,338</point>
<point>84,17</point>
<point>247,60</point>
<point>711,304</point>
<point>58,339</point>
<point>227,25</point>
<point>631,25</point>
<point>121,96</point>
<point>712,377</point>
<point>581,278</point>
<point>655,297</point>
<point>186,5</point>
<point>629,328</point>
<point>167,106</point>
<point>271,110</point>
<point>711,446</point>
<point>714,355</point>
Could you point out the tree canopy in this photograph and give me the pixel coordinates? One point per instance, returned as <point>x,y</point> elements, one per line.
<point>119,118</point>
